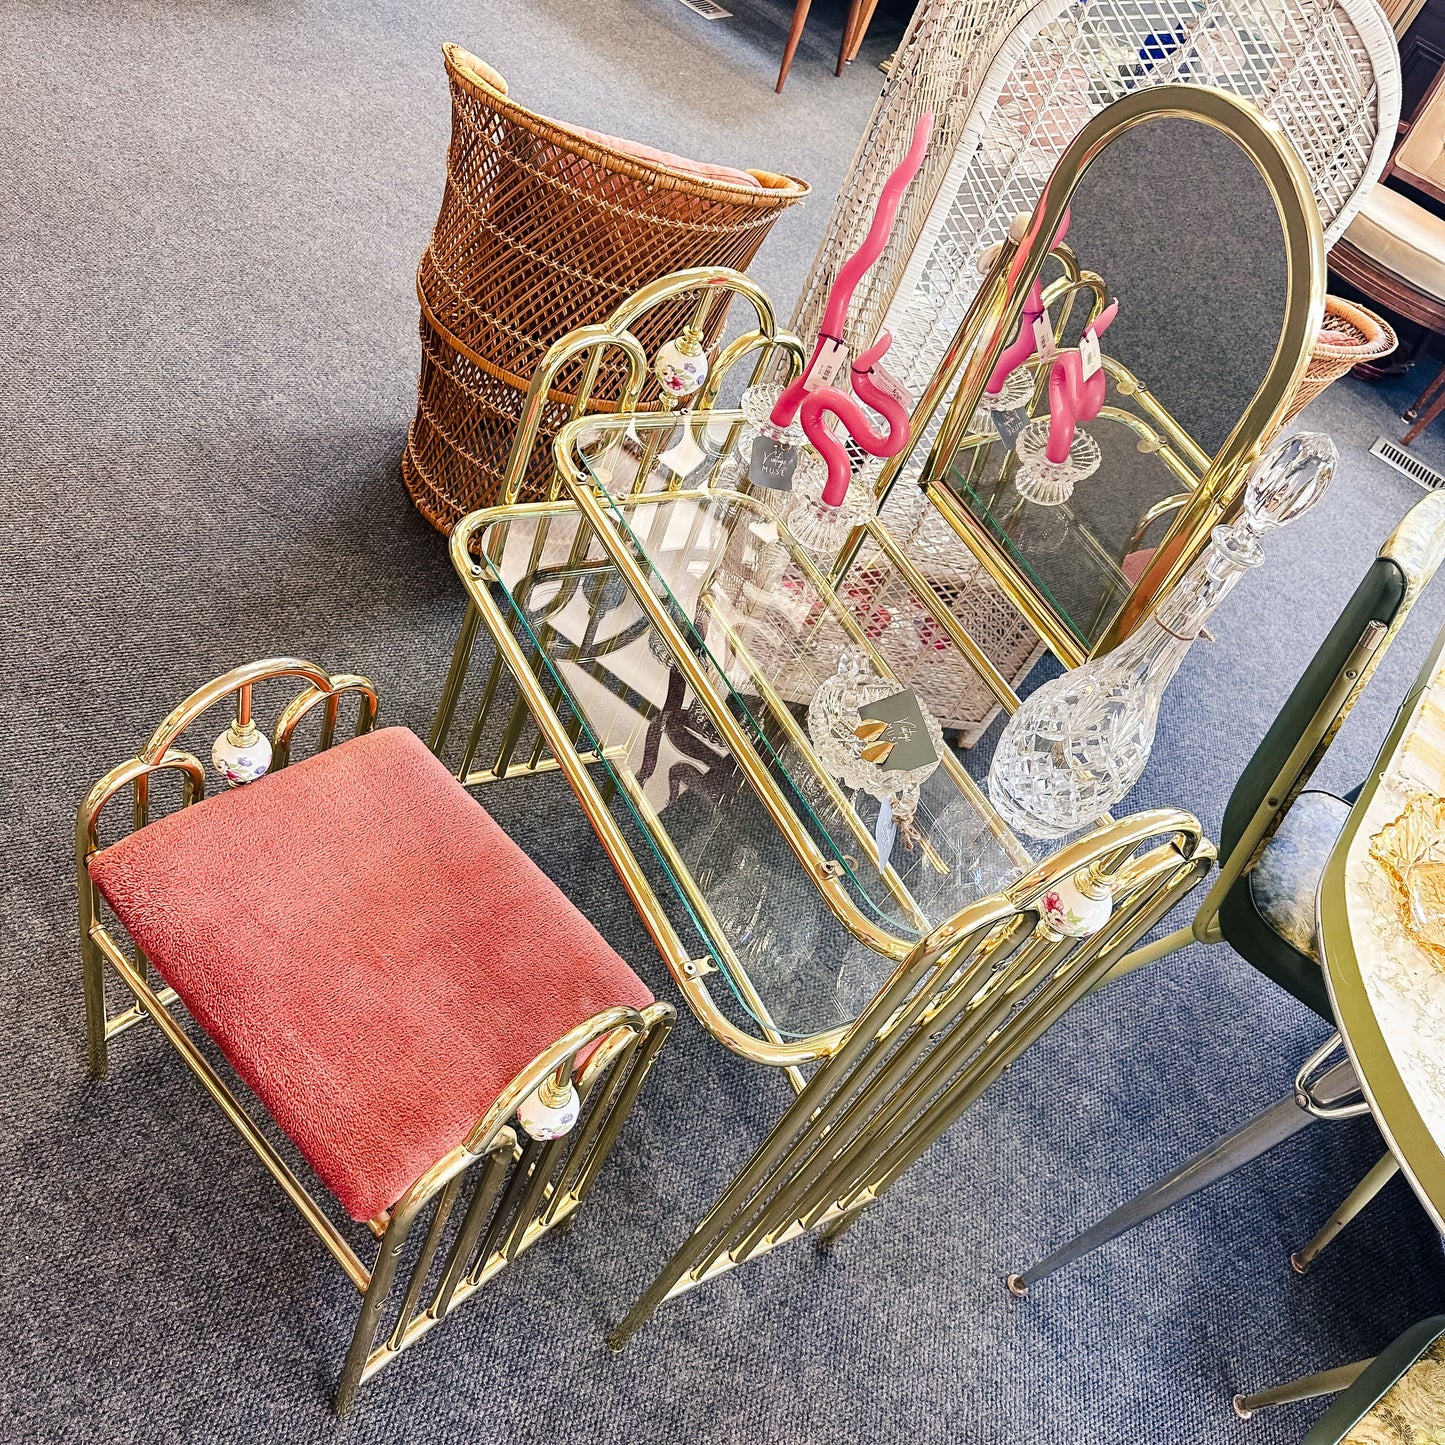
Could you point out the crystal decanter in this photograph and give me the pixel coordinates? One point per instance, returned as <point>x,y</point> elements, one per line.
<point>1079,743</point>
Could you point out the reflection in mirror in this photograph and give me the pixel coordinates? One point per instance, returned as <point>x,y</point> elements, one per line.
<point>1174,221</point>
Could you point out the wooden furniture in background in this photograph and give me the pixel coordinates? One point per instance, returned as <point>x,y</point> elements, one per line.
<point>1394,250</point>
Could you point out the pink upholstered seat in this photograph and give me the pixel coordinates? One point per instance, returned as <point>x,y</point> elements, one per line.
<point>375,957</point>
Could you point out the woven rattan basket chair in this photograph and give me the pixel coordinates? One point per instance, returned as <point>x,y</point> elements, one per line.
<point>1349,335</point>
<point>545,227</point>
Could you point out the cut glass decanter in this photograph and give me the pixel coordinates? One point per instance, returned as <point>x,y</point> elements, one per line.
<point>1079,743</point>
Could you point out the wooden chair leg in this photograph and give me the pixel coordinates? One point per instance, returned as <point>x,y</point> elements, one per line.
<point>860,29</point>
<point>1430,404</point>
<point>795,34</point>
<point>846,44</point>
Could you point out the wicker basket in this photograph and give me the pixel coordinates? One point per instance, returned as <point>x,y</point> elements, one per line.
<point>544,229</point>
<point>1349,335</point>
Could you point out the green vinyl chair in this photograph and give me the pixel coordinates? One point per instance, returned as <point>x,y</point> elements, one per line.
<point>1398,1398</point>
<point>1275,840</point>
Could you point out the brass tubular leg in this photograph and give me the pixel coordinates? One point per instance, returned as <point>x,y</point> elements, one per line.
<point>445,1200</point>
<point>584,1137</point>
<point>516,1188</point>
<point>622,1107</point>
<point>1327,1382</point>
<point>474,734</point>
<point>456,676</point>
<point>93,967</point>
<point>1354,1202</point>
<point>383,1272</point>
<point>543,1168</point>
<point>478,1210</point>
<point>835,1229</point>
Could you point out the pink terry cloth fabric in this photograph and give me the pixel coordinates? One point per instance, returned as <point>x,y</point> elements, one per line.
<point>650,155</point>
<point>374,956</point>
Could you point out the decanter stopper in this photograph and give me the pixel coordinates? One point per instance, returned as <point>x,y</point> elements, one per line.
<point>1285,483</point>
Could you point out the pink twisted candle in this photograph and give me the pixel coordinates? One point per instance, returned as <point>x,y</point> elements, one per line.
<point>1072,397</point>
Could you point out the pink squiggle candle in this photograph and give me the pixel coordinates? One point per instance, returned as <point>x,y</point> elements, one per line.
<point>786,409</point>
<point>827,400</point>
<point>1024,344</point>
<point>1072,398</point>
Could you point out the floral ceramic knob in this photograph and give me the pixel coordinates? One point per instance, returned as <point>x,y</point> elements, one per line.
<point>681,366</point>
<point>551,1110</point>
<point>1078,906</point>
<point>241,754</point>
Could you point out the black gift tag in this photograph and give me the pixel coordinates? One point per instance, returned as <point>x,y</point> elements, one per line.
<point>772,464</point>
<point>912,746</point>
<point>1009,425</point>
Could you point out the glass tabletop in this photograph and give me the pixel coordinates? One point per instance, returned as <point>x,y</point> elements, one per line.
<point>1084,554</point>
<point>708,743</point>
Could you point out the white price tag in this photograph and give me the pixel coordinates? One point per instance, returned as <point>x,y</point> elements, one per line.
<point>884,380</point>
<point>1089,354</point>
<point>832,359</point>
<point>1044,336</point>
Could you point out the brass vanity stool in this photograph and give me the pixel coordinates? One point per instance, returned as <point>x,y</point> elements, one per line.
<point>413,1002</point>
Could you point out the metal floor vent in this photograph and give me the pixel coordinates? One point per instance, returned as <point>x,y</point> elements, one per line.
<point>1393,454</point>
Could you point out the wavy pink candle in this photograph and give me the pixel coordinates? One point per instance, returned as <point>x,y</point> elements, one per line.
<point>853,269</point>
<point>1072,398</point>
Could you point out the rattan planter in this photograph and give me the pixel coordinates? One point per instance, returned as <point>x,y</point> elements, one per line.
<point>1349,335</point>
<point>542,230</point>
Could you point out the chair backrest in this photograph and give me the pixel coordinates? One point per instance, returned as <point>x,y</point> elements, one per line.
<point>1337,674</point>
<point>1419,159</point>
<point>1017,84</point>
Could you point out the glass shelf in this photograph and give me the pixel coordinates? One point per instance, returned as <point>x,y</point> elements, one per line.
<point>764,630</point>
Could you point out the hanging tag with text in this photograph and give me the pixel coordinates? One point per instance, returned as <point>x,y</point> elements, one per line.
<point>1009,425</point>
<point>771,464</point>
<point>885,381</point>
<point>1089,354</point>
<point>1044,336</point>
<point>832,359</point>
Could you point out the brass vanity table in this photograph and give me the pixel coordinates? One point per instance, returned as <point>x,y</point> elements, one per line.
<point>657,637</point>
<point>673,636</point>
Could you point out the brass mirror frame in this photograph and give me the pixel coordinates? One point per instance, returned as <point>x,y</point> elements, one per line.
<point>999,304</point>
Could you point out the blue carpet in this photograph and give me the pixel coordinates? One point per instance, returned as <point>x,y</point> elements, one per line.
<point>209,232</point>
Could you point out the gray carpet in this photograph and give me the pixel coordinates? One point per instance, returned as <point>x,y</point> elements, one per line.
<point>209,226</point>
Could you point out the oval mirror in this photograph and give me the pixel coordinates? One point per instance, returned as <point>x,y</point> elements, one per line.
<point>1190,210</point>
